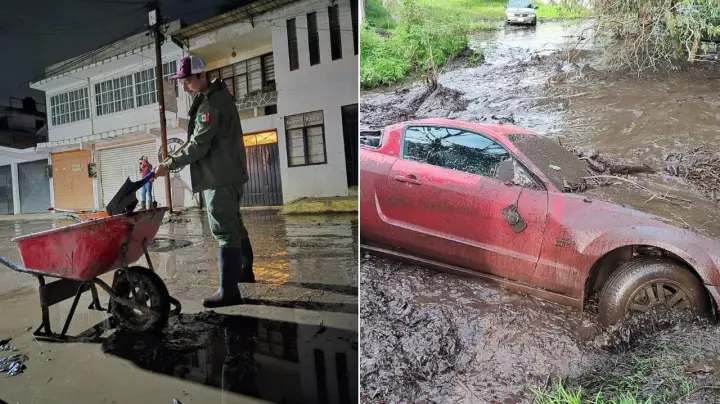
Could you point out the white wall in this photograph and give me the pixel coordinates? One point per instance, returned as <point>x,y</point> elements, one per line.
<point>327,86</point>
<point>105,123</point>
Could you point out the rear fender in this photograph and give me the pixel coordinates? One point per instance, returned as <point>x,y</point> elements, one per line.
<point>667,239</point>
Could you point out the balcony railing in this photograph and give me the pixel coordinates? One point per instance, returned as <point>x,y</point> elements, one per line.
<point>258,98</point>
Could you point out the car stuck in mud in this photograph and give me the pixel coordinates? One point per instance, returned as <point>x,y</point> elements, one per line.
<point>503,204</point>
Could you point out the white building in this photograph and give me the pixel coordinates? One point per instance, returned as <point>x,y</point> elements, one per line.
<point>24,186</point>
<point>293,68</point>
<point>103,114</point>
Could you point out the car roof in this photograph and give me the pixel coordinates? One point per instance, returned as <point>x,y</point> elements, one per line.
<point>500,130</point>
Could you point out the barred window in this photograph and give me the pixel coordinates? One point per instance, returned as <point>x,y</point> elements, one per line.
<point>69,107</point>
<point>114,95</point>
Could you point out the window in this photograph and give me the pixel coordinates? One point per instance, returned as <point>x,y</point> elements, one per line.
<point>292,45</point>
<point>335,40</point>
<point>70,107</point>
<point>354,14</point>
<point>306,139</point>
<point>458,150</point>
<point>146,86</point>
<point>114,95</point>
<point>248,76</point>
<point>313,39</point>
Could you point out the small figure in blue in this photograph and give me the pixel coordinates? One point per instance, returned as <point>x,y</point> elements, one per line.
<point>146,195</point>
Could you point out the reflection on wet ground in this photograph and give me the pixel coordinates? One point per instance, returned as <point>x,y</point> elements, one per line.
<point>429,337</point>
<point>275,361</point>
<point>294,341</point>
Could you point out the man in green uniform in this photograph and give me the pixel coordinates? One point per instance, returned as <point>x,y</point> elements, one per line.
<point>218,169</point>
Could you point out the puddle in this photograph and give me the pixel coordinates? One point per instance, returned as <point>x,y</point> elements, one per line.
<point>275,361</point>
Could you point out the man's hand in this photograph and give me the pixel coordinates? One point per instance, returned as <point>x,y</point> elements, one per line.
<point>161,170</point>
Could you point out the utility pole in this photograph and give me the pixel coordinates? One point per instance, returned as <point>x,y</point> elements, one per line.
<point>156,22</point>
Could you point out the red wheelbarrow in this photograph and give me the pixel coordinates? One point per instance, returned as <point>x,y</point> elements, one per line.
<point>78,254</point>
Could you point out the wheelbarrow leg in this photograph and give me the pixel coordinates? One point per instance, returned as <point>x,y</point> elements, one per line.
<point>45,307</point>
<point>80,290</point>
<point>95,304</point>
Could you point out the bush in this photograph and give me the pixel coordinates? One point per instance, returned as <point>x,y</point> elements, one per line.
<point>378,16</point>
<point>425,39</point>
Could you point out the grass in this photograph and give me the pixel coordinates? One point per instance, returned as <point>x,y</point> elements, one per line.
<point>378,16</point>
<point>648,376</point>
<point>494,10</point>
<point>424,37</point>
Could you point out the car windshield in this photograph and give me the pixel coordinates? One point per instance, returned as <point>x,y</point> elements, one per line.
<point>562,167</point>
<point>519,4</point>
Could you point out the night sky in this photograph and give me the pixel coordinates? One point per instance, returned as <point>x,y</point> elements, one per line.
<point>38,33</point>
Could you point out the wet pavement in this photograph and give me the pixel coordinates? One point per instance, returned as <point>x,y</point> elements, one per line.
<point>431,337</point>
<point>295,341</point>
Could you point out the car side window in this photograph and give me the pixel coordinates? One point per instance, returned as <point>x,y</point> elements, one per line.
<point>459,150</point>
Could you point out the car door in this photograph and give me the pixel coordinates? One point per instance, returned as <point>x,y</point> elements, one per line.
<point>446,196</point>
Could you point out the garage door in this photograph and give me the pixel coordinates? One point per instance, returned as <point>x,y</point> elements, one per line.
<point>71,183</point>
<point>119,163</point>
<point>34,187</point>
<point>6,191</point>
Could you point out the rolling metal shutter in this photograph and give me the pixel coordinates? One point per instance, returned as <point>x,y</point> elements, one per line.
<point>119,163</point>
<point>34,187</point>
<point>6,191</point>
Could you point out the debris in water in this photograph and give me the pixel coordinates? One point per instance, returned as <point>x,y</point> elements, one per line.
<point>13,364</point>
<point>176,401</point>
<point>556,168</point>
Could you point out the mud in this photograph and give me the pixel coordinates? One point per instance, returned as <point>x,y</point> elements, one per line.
<point>430,337</point>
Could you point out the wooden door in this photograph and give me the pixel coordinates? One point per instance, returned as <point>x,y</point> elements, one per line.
<point>72,186</point>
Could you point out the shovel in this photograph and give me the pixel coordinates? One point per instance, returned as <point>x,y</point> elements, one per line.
<point>125,201</point>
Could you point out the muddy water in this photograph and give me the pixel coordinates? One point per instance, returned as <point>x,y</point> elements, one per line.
<point>429,337</point>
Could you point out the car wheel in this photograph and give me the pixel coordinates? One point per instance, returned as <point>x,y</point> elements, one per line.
<point>645,283</point>
<point>534,23</point>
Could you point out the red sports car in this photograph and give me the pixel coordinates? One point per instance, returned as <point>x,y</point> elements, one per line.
<point>503,204</point>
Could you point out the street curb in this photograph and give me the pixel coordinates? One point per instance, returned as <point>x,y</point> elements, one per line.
<point>320,205</point>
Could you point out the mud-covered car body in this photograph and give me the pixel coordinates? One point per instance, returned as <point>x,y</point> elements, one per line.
<point>462,220</point>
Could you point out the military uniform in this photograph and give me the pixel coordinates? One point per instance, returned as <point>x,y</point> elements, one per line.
<point>218,169</point>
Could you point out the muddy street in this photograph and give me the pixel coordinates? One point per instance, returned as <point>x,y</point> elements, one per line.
<point>294,341</point>
<point>440,338</point>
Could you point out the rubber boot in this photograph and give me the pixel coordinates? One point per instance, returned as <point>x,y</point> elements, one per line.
<point>246,269</point>
<point>142,205</point>
<point>228,294</point>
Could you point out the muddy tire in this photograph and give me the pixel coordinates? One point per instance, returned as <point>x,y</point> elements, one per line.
<point>644,283</point>
<point>150,290</point>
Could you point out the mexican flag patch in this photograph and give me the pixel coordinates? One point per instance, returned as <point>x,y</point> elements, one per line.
<point>203,118</point>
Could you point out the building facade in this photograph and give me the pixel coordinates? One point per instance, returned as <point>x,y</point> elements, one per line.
<point>294,73</point>
<point>292,67</point>
<point>103,116</point>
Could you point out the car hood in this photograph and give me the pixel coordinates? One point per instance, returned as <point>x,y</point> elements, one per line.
<point>519,10</point>
<point>628,205</point>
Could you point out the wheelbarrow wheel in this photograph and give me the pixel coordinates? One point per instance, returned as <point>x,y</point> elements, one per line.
<point>149,290</point>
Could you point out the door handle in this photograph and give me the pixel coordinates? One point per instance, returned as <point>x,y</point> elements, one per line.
<point>410,179</point>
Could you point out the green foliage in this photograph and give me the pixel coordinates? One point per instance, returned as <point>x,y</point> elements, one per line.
<point>495,9</point>
<point>378,16</point>
<point>425,39</point>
